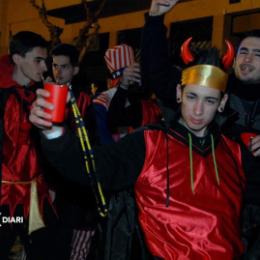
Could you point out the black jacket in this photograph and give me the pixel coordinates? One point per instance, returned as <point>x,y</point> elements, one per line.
<point>243,115</point>
<point>243,108</point>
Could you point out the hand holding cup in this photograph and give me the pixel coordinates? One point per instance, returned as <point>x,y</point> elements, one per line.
<point>57,97</point>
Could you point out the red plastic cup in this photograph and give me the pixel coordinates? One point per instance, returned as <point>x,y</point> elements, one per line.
<point>246,138</point>
<point>58,97</point>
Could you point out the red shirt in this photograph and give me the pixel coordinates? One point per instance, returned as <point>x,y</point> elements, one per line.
<point>203,224</point>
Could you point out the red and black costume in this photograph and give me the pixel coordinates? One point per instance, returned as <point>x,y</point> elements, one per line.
<point>20,157</point>
<point>24,192</point>
<point>242,114</point>
<point>178,221</point>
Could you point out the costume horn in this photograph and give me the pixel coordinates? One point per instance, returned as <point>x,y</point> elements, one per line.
<point>186,53</point>
<point>228,57</point>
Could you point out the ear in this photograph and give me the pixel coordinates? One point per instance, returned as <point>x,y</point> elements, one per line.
<point>16,59</point>
<point>75,70</point>
<point>178,93</point>
<point>222,103</point>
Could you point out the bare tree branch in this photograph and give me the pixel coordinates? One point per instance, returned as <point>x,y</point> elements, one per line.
<point>87,34</point>
<point>55,31</point>
<point>90,27</point>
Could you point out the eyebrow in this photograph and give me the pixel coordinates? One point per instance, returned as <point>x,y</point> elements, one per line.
<point>55,64</point>
<point>246,49</point>
<point>39,58</point>
<point>206,97</point>
<point>212,98</point>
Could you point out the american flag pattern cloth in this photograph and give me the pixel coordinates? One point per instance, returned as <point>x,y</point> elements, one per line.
<point>119,57</point>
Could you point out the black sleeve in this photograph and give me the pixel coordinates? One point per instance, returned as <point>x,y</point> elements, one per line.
<point>117,165</point>
<point>91,124</point>
<point>116,111</point>
<point>157,70</point>
<point>119,114</point>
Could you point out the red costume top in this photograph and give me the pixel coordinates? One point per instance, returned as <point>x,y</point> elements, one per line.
<point>199,224</point>
<point>20,158</point>
<point>151,112</point>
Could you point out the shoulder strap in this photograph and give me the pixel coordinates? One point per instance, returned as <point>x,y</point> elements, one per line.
<point>88,157</point>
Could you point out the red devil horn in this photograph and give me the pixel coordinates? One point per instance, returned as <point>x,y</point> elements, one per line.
<point>186,53</point>
<point>228,57</point>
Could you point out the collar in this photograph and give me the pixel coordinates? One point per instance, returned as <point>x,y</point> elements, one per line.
<point>6,75</point>
<point>201,145</point>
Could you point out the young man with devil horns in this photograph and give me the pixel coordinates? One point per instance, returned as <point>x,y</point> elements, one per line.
<point>187,178</point>
<point>241,118</point>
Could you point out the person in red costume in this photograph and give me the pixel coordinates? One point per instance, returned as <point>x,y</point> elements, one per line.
<point>24,196</point>
<point>187,178</point>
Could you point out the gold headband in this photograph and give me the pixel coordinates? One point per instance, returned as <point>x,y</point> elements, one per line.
<point>205,75</point>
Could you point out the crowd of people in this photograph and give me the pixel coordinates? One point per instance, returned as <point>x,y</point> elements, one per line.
<point>164,165</point>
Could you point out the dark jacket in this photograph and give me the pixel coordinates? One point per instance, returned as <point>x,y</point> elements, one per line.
<point>243,115</point>
<point>243,109</point>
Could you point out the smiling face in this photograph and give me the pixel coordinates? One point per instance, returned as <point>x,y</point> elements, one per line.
<point>62,69</point>
<point>247,65</point>
<point>199,106</point>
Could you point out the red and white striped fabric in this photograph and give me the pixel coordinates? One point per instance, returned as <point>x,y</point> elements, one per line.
<point>105,98</point>
<point>118,57</point>
<point>81,242</point>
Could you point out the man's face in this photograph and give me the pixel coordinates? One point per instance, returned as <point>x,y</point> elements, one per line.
<point>198,107</point>
<point>247,65</point>
<point>62,69</point>
<point>32,66</point>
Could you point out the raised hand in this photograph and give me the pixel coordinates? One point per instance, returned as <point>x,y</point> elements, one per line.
<point>160,7</point>
<point>38,116</point>
<point>131,75</point>
<point>255,146</point>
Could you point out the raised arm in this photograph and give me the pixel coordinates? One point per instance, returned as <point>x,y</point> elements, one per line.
<point>122,110</point>
<point>157,71</point>
<point>160,7</point>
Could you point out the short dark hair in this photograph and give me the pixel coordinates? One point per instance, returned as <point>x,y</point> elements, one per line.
<point>252,33</point>
<point>242,36</point>
<point>210,56</point>
<point>24,41</point>
<point>67,50</point>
